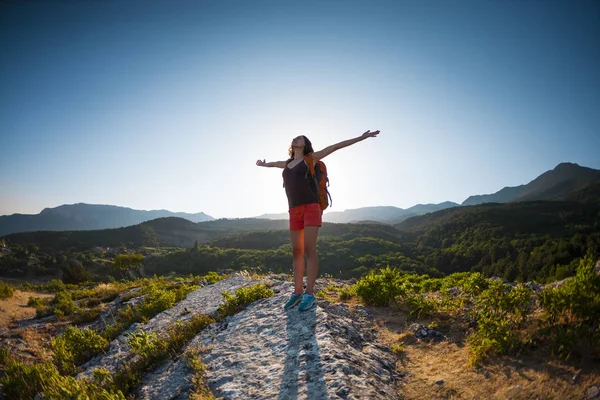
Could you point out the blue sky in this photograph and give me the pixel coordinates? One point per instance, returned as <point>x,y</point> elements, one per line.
<point>168,105</point>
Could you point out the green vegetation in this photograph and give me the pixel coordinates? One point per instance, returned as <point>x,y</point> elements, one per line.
<point>6,291</point>
<point>379,287</point>
<point>504,322</point>
<point>572,311</point>
<point>63,304</point>
<point>194,362</point>
<point>241,298</point>
<point>125,263</point>
<point>397,348</point>
<point>76,346</point>
<point>500,312</point>
<point>24,381</point>
<point>160,295</point>
<point>35,302</point>
<point>528,241</point>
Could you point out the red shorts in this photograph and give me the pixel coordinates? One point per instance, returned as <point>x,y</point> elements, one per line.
<point>305,215</point>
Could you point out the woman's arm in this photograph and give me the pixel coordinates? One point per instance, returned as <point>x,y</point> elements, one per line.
<point>330,149</point>
<point>277,164</point>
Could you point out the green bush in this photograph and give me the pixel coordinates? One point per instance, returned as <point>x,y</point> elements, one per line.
<point>26,381</point>
<point>420,305</point>
<point>76,346</point>
<point>154,348</point>
<point>379,287</point>
<point>571,310</point>
<point>55,286</point>
<point>63,304</point>
<point>212,277</point>
<point>181,332</point>
<point>194,362</point>
<point>83,315</point>
<point>160,295</point>
<point>347,292</point>
<point>500,312</point>
<point>35,302</point>
<point>242,298</point>
<point>143,343</point>
<point>6,291</point>
<point>397,348</point>
<point>4,355</point>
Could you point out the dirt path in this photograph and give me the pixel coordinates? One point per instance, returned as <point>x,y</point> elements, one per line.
<point>16,307</point>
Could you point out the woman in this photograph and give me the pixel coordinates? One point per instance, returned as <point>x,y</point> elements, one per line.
<point>305,212</point>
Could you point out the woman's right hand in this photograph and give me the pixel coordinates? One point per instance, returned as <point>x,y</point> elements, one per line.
<point>261,163</point>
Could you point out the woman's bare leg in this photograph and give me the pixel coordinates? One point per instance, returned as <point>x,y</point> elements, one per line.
<point>312,260</point>
<point>297,238</point>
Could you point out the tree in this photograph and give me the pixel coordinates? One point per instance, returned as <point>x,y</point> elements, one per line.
<point>126,263</point>
<point>75,272</point>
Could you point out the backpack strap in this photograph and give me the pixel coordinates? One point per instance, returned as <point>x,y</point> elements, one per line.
<point>308,159</point>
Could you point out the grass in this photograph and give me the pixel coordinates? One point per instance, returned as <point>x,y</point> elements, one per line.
<point>194,362</point>
<point>6,291</point>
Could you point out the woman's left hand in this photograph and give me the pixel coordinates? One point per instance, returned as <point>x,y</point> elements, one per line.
<point>369,134</point>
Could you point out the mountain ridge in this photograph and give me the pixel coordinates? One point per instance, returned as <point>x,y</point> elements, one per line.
<point>556,184</point>
<point>84,216</point>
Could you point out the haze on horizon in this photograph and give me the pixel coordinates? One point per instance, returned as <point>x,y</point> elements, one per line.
<point>167,105</point>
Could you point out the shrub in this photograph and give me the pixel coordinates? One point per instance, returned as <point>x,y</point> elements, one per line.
<point>397,348</point>
<point>379,287</point>
<point>194,362</point>
<point>143,343</point>
<point>81,315</point>
<point>4,355</point>
<point>153,349</point>
<point>420,305</point>
<point>347,292</point>
<point>76,346</point>
<point>75,272</point>
<point>55,286</point>
<point>35,302</point>
<point>242,297</point>
<point>571,310</point>
<point>500,312</point>
<point>160,295</point>
<point>26,381</point>
<point>63,304</point>
<point>212,277</point>
<point>6,291</point>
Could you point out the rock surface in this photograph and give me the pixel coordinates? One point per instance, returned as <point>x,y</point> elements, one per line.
<point>265,352</point>
<point>424,333</point>
<point>205,300</point>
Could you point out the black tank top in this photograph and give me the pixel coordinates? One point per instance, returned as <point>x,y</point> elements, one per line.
<point>299,185</point>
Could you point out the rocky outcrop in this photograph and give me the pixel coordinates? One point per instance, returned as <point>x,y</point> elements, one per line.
<point>265,352</point>
<point>205,300</point>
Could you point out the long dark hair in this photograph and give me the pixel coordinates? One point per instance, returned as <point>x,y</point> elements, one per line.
<point>307,148</point>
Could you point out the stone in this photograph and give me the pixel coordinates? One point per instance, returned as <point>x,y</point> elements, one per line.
<point>424,333</point>
<point>592,392</point>
<point>265,352</point>
<point>205,300</point>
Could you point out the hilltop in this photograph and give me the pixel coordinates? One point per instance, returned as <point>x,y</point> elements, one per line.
<point>81,216</point>
<point>390,335</point>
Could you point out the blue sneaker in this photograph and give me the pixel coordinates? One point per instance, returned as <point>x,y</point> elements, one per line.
<point>294,299</point>
<point>308,301</point>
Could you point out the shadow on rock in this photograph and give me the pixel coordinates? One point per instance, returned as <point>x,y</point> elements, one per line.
<point>303,360</point>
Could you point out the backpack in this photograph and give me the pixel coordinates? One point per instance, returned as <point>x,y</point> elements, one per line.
<point>319,174</point>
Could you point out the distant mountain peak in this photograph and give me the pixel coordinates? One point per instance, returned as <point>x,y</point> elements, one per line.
<point>83,216</point>
<point>554,184</point>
